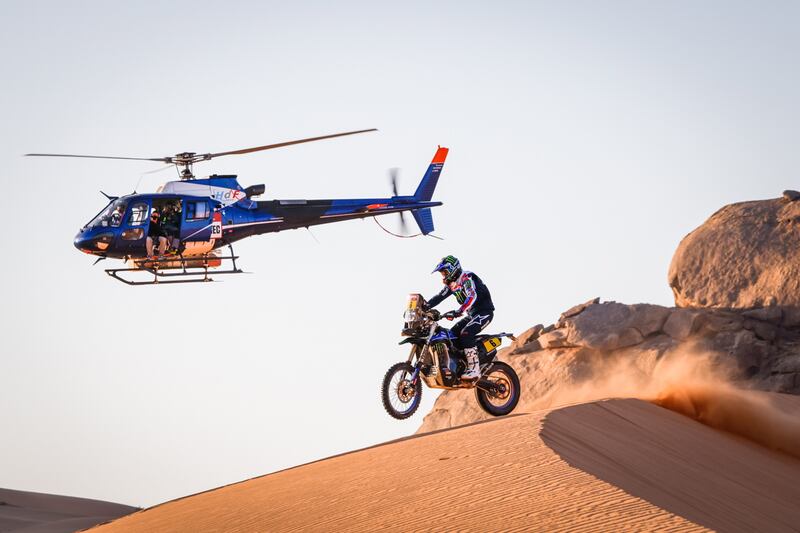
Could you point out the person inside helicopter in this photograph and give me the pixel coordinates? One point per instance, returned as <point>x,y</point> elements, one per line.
<point>171,223</point>
<point>116,215</point>
<point>111,215</point>
<point>155,231</point>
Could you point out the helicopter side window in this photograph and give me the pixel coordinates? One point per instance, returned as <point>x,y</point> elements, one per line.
<point>138,214</point>
<point>197,210</point>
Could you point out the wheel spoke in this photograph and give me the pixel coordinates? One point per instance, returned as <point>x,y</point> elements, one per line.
<point>401,397</point>
<point>397,394</point>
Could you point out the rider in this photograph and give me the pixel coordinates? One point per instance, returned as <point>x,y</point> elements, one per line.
<point>476,302</point>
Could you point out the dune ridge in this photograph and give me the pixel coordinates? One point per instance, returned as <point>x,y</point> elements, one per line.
<point>615,465</point>
<point>36,512</point>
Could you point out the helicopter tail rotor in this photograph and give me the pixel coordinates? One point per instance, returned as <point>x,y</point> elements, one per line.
<point>393,175</point>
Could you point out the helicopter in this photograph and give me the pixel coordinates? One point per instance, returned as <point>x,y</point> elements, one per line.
<point>209,214</point>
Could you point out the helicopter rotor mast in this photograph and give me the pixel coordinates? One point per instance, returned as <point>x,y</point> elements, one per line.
<point>188,159</point>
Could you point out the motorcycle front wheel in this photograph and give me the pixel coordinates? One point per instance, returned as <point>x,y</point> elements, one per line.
<point>400,397</point>
<point>503,396</point>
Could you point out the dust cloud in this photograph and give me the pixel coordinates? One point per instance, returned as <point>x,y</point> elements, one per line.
<point>694,384</point>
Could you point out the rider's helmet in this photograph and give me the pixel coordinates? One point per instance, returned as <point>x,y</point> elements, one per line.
<point>450,267</point>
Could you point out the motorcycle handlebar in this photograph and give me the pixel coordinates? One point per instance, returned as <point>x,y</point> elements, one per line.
<point>433,314</point>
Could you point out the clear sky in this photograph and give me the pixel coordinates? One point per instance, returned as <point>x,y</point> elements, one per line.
<point>587,138</point>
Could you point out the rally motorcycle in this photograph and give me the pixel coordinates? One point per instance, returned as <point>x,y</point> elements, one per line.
<point>436,361</point>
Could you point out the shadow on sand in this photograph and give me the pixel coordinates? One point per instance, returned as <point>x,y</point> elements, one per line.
<point>710,477</point>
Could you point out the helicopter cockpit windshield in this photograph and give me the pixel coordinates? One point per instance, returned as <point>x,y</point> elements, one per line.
<point>111,215</point>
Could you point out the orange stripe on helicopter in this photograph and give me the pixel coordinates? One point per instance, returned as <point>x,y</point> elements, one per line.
<point>370,207</point>
<point>441,155</point>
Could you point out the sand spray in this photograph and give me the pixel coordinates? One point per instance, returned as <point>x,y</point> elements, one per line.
<point>691,382</point>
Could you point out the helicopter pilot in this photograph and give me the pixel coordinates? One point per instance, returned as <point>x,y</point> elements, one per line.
<point>156,231</point>
<point>116,216</point>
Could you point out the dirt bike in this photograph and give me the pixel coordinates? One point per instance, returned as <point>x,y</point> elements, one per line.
<point>436,361</point>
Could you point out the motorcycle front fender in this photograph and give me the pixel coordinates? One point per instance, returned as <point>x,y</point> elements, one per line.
<point>412,340</point>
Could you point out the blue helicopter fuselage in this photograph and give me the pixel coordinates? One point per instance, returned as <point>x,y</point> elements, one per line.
<point>216,211</point>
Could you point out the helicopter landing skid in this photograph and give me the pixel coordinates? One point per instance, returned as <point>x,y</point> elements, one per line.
<point>177,269</point>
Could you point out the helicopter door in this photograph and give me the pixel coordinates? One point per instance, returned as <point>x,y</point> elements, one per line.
<point>197,226</point>
<point>134,230</point>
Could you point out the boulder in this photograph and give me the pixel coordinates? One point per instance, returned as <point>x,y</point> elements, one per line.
<point>745,256</point>
<point>648,318</point>
<point>791,317</point>
<point>529,335</point>
<point>681,324</point>
<point>791,196</point>
<point>612,325</point>
<point>772,314</point>
<point>710,323</point>
<point>533,346</point>
<point>554,339</point>
<point>578,309</point>
<point>763,330</point>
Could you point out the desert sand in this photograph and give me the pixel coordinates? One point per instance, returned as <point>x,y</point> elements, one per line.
<point>34,512</point>
<point>611,465</point>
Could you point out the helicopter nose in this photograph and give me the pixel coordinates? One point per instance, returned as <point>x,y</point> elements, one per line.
<point>82,243</point>
<point>92,244</point>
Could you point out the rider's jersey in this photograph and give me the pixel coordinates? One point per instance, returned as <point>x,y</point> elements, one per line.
<point>471,293</point>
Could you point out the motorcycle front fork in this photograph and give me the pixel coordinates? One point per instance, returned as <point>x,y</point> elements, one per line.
<point>415,375</point>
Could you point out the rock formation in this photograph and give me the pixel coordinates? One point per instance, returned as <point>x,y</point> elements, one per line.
<point>594,342</point>
<point>747,255</point>
<point>736,281</point>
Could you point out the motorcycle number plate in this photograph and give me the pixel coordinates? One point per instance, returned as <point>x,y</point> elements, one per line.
<point>491,344</point>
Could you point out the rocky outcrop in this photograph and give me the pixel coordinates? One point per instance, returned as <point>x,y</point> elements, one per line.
<point>736,281</point>
<point>591,342</point>
<point>746,256</point>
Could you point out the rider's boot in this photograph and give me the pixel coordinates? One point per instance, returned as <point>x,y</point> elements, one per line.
<point>473,371</point>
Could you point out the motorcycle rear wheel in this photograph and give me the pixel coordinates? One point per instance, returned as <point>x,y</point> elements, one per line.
<point>400,397</point>
<point>502,402</point>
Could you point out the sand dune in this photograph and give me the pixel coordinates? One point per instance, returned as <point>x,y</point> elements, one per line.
<point>34,512</point>
<point>616,465</point>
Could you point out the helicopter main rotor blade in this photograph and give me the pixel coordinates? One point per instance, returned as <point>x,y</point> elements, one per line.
<point>186,159</point>
<point>159,159</point>
<point>288,143</point>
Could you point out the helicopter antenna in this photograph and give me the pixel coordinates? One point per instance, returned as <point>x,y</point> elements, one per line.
<point>185,161</point>
<point>143,174</point>
<point>312,235</point>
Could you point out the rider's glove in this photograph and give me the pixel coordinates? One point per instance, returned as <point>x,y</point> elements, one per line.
<point>451,315</point>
